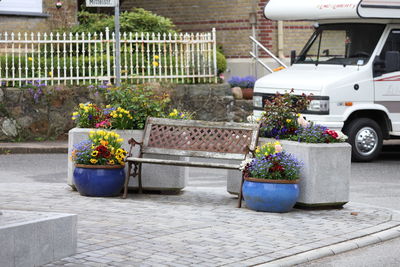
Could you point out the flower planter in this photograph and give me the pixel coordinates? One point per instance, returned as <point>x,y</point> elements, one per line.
<point>324,178</point>
<point>155,177</point>
<point>99,181</point>
<point>247,93</point>
<point>270,195</point>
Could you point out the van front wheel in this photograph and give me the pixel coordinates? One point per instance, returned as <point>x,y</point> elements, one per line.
<point>365,138</point>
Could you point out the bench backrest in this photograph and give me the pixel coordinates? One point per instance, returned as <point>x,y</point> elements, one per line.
<point>222,140</point>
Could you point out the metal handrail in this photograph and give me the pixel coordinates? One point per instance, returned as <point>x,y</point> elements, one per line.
<point>254,54</point>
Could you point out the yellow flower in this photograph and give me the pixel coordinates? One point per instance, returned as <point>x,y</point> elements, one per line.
<point>156,57</point>
<point>115,116</point>
<point>106,137</point>
<point>108,106</point>
<point>120,115</point>
<point>50,74</point>
<point>155,64</point>
<point>111,162</point>
<point>30,59</point>
<point>81,105</point>
<point>120,140</point>
<point>93,161</point>
<point>258,149</point>
<point>288,120</point>
<point>182,115</point>
<point>75,113</point>
<point>95,153</point>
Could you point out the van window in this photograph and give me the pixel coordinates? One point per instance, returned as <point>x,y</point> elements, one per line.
<point>341,44</point>
<point>392,44</point>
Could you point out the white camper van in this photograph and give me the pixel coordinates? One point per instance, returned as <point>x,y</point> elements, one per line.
<point>351,66</point>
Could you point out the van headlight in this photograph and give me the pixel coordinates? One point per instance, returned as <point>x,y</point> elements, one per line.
<point>258,101</point>
<point>318,105</point>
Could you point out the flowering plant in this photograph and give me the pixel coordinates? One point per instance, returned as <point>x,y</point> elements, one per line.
<point>315,133</point>
<point>102,148</point>
<point>280,115</point>
<point>271,162</point>
<point>282,120</point>
<point>180,115</point>
<point>242,82</point>
<point>88,115</point>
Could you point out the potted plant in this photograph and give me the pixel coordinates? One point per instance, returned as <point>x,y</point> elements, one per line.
<point>325,176</point>
<point>270,179</point>
<point>246,84</point>
<point>99,164</point>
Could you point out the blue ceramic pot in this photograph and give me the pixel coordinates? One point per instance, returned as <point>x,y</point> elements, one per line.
<point>99,181</point>
<point>270,195</point>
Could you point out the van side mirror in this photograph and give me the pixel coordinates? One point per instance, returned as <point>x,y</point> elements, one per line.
<point>392,61</point>
<point>292,57</point>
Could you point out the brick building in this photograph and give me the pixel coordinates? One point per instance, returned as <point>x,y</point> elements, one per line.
<point>235,21</point>
<point>36,15</point>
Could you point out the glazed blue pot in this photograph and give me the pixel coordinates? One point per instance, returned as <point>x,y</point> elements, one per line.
<point>99,181</point>
<point>270,195</point>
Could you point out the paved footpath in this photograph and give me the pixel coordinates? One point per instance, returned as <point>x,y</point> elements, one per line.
<point>200,227</point>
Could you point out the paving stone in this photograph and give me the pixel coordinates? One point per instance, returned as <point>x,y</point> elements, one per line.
<point>199,227</point>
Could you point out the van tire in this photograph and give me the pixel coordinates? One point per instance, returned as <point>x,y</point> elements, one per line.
<point>365,137</point>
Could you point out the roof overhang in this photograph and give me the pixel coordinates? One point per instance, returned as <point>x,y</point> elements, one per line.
<point>331,9</point>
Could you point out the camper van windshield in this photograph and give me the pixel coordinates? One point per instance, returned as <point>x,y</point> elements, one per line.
<point>344,44</point>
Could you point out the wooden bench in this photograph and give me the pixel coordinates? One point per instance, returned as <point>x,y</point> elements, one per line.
<point>190,138</point>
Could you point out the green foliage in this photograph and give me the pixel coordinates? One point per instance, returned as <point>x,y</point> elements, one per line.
<point>221,62</point>
<point>137,20</point>
<point>280,115</point>
<point>141,101</point>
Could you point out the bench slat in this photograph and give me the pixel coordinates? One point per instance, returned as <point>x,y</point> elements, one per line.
<point>183,163</point>
<point>191,153</point>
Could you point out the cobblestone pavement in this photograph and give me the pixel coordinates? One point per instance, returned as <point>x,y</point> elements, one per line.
<point>199,227</point>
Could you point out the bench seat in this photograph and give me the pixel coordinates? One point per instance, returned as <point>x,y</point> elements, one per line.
<point>183,163</point>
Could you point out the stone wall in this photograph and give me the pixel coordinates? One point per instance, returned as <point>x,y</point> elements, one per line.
<point>64,17</point>
<point>49,116</point>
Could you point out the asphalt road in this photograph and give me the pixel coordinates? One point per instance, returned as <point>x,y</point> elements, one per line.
<point>376,183</point>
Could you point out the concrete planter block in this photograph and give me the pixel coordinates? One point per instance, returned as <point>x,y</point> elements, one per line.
<point>324,178</point>
<point>154,177</point>
<point>30,238</point>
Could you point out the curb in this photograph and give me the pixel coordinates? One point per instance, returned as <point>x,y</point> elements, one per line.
<point>33,148</point>
<point>335,249</point>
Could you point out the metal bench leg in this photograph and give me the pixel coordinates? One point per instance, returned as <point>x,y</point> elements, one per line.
<point>139,173</point>
<point>241,192</point>
<point>128,175</point>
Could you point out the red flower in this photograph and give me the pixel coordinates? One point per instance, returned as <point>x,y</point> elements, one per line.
<point>331,133</point>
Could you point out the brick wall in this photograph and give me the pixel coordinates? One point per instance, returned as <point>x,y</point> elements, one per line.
<point>58,18</point>
<point>231,18</point>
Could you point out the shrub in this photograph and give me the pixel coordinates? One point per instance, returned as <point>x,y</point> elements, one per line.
<point>136,20</point>
<point>221,62</point>
<point>141,101</point>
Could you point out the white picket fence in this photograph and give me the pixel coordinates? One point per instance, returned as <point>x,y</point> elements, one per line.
<point>66,58</point>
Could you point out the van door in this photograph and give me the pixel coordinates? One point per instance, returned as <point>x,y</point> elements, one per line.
<point>387,77</point>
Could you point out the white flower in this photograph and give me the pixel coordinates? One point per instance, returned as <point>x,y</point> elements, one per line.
<point>341,136</point>
<point>244,163</point>
<point>302,122</point>
<point>251,119</point>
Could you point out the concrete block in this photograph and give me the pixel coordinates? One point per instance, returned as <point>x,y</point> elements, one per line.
<point>154,177</point>
<point>30,238</point>
<point>7,248</point>
<point>24,244</point>
<point>44,232</point>
<point>64,237</point>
